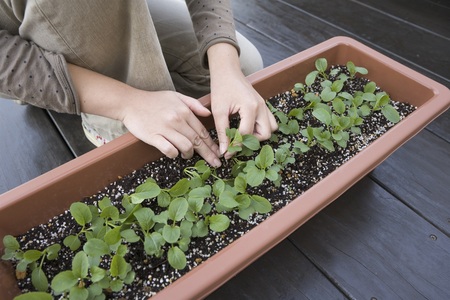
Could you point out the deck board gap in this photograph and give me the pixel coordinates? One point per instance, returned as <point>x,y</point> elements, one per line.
<point>409,206</point>
<point>322,270</point>
<point>401,20</point>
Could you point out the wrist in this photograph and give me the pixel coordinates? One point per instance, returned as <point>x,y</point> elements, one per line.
<point>223,57</point>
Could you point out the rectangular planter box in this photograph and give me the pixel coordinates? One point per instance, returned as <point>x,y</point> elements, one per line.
<point>50,194</point>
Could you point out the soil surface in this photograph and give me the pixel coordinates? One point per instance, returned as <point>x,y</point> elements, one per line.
<point>152,274</point>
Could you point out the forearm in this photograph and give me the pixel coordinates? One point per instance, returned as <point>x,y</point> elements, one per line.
<point>99,94</point>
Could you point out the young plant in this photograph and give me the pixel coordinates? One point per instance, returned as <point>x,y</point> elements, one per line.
<point>32,259</point>
<point>242,144</point>
<point>353,70</point>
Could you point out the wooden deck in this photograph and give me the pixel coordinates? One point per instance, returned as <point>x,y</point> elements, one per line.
<point>388,237</point>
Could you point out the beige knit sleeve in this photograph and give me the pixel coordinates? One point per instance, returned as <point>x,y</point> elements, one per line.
<point>213,23</point>
<point>35,76</point>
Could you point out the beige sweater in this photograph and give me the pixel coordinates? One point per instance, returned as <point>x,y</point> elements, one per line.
<point>40,77</point>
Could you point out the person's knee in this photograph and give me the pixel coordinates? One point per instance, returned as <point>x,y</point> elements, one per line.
<point>250,58</point>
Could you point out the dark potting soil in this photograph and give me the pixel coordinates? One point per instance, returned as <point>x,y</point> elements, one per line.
<point>153,274</point>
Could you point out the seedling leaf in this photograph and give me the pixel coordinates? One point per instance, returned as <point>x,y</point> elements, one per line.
<point>391,113</point>
<point>227,199</point>
<point>96,247</point>
<point>52,251</point>
<point>251,142</point>
<point>73,242</point>
<point>118,266</point>
<point>171,234</point>
<point>240,184</point>
<point>219,223</point>
<point>116,285</point>
<point>180,188</point>
<point>261,204</point>
<point>144,216</point>
<point>370,87</point>
<point>10,242</point>
<point>178,208</point>
<point>81,213</point>
<point>153,243</point>
<point>97,273</point>
<point>34,296</point>
<point>311,77</point>
<point>254,176</point>
<point>322,115</point>
<point>139,197</point>
<point>266,157</point>
<point>32,255</point>
<point>39,280</point>
<point>339,106</point>
<point>112,236</point>
<point>321,64</point>
<point>177,258</point>
<point>80,265</point>
<point>63,281</point>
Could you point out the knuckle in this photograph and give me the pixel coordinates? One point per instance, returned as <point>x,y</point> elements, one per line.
<point>170,152</point>
<point>174,117</point>
<point>204,134</point>
<point>197,142</point>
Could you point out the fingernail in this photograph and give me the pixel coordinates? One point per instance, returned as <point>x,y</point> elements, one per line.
<point>217,163</point>
<point>223,148</point>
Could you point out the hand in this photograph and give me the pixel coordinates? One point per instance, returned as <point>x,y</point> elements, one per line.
<point>167,120</point>
<point>231,93</point>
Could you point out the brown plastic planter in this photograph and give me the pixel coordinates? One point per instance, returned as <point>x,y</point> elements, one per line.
<point>40,199</point>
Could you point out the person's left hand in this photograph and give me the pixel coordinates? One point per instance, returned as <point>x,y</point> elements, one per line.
<point>231,93</point>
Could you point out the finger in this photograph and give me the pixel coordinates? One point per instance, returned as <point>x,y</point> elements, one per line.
<point>273,121</point>
<point>202,142</point>
<point>248,120</point>
<point>194,105</point>
<point>265,124</point>
<point>222,122</point>
<point>163,145</point>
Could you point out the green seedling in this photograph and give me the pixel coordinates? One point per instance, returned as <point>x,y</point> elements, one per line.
<point>32,259</point>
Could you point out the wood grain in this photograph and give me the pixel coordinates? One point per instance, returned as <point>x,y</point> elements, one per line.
<point>30,145</point>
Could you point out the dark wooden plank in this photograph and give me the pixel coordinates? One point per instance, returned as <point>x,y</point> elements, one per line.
<point>30,146</point>
<point>282,273</point>
<point>70,128</point>
<point>418,174</point>
<point>430,15</point>
<point>441,126</point>
<point>411,45</point>
<point>374,246</point>
<point>282,24</point>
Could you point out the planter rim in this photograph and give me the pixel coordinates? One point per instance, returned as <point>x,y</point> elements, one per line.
<point>209,275</point>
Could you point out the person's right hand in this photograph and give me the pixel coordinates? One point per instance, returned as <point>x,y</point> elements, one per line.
<point>164,119</point>
<point>167,120</point>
